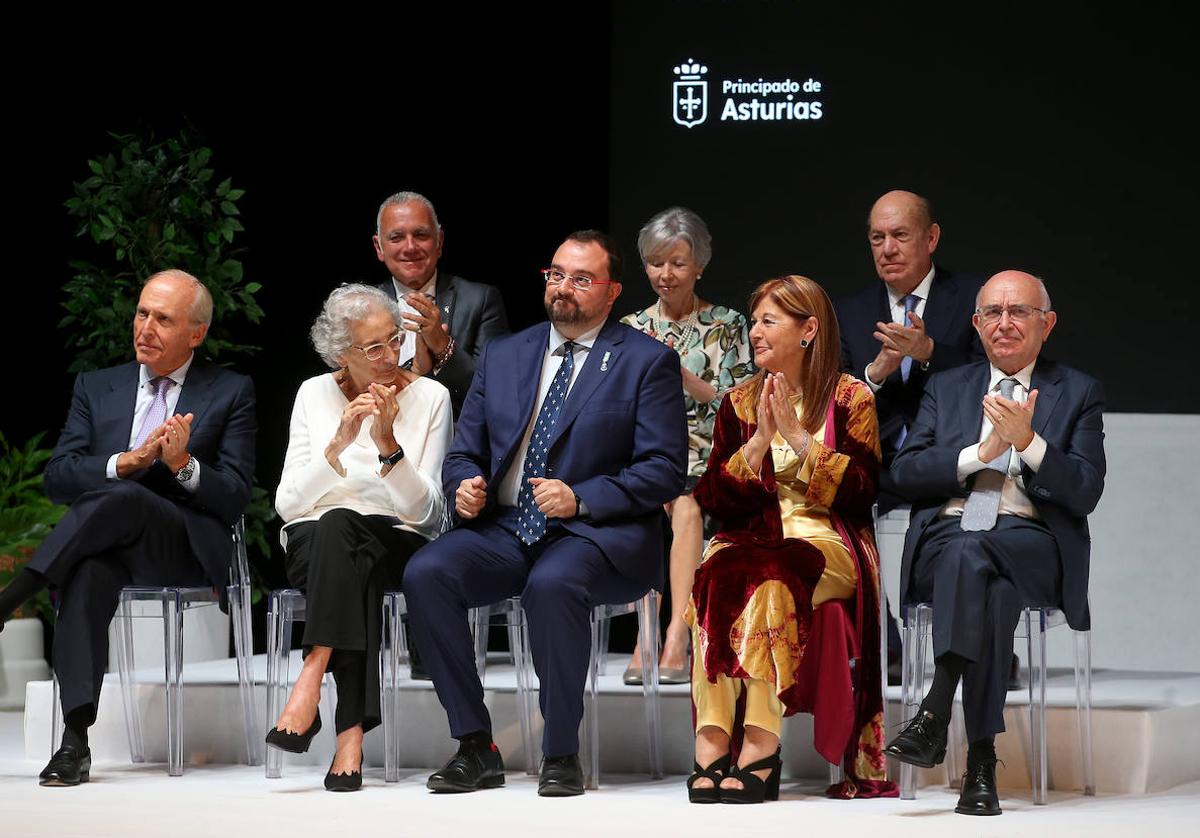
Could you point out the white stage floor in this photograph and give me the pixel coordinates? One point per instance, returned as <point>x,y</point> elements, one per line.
<point>124,800</point>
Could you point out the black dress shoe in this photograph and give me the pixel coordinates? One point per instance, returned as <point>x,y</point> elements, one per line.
<point>922,743</point>
<point>979,790</point>
<point>1014,674</point>
<point>68,767</point>
<point>344,782</point>
<point>294,743</point>
<point>561,777</point>
<point>474,767</point>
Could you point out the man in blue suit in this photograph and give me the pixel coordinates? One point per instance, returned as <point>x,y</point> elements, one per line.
<point>1003,465</point>
<point>156,460</point>
<point>571,439</point>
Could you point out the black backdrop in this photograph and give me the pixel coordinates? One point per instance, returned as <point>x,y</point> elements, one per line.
<point>1063,147</point>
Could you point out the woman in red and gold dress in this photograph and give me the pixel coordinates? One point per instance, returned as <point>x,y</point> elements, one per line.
<point>785,608</point>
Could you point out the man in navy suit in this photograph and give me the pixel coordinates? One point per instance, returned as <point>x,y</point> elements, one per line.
<point>1003,465</point>
<point>156,460</point>
<point>572,438</point>
<point>449,319</point>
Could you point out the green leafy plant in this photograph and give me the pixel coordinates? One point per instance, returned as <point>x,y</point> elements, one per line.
<point>148,205</point>
<point>26,515</point>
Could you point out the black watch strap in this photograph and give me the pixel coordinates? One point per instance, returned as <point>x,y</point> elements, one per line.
<point>394,458</point>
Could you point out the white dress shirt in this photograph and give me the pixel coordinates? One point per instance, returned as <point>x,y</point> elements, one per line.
<point>1013,499</point>
<point>409,347</point>
<point>510,486</point>
<point>921,292</point>
<point>410,492</point>
<point>141,406</point>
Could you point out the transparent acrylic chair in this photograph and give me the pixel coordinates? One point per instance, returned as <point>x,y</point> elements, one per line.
<point>918,626</point>
<point>169,604</point>
<point>393,654</point>
<point>589,743</point>
<point>284,607</point>
<point>512,616</point>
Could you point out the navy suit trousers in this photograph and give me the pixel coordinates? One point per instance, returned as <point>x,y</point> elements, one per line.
<point>978,583</point>
<point>559,580</point>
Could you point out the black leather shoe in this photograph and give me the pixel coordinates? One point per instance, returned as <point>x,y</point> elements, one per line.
<point>561,777</point>
<point>979,790</point>
<point>922,743</point>
<point>68,767</point>
<point>294,743</point>
<point>344,782</point>
<point>1014,674</point>
<point>474,767</point>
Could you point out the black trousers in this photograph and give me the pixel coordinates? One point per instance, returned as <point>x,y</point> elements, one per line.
<point>559,579</point>
<point>978,583</point>
<point>121,534</point>
<point>345,562</point>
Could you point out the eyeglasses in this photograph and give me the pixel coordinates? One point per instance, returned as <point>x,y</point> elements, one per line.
<point>554,276</point>
<point>375,351</point>
<point>1019,312</point>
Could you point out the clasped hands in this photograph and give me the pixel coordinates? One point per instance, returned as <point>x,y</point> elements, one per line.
<point>378,401</point>
<point>1012,424</point>
<point>553,497</point>
<point>898,341</point>
<point>168,443</point>
<point>776,414</point>
<point>428,326</point>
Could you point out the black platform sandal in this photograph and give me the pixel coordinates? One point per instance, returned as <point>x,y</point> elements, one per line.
<point>715,772</point>
<point>754,789</point>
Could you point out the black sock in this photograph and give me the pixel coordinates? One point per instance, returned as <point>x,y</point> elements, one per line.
<point>21,588</point>
<point>75,730</point>
<point>940,699</point>
<point>981,750</point>
<point>480,740</point>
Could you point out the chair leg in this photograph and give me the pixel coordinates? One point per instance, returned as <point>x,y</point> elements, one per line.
<point>243,646</point>
<point>389,664</point>
<point>589,740</point>
<point>1035,623</point>
<point>173,666</point>
<point>912,681</point>
<point>518,643</point>
<point>56,719</point>
<point>125,668</point>
<point>955,747</point>
<point>602,660</point>
<point>480,619</point>
<point>1083,708</point>
<point>648,641</point>
<point>279,644</point>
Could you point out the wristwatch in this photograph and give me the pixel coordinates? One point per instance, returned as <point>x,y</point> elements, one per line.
<point>394,458</point>
<point>185,474</point>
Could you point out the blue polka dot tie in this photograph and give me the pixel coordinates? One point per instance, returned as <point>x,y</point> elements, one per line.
<point>531,521</point>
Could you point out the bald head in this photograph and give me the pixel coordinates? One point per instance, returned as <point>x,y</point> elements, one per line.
<point>1013,318</point>
<point>903,237</point>
<point>201,306</point>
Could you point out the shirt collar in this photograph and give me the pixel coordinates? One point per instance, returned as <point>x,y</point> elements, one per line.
<point>921,292</point>
<point>585,340</point>
<point>145,376</point>
<point>1023,377</point>
<point>429,289</point>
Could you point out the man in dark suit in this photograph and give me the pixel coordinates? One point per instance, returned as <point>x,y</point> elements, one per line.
<point>897,333</point>
<point>156,460</point>
<point>1003,465</point>
<point>450,319</point>
<point>571,439</point>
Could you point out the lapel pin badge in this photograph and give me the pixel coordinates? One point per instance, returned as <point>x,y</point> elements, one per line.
<point>604,362</point>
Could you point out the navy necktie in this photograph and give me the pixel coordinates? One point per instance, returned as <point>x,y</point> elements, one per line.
<point>531,521</point>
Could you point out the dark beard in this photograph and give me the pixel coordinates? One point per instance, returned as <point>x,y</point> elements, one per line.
<point>572,315</point>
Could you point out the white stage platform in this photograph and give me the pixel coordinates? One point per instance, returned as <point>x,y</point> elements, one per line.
<point>1146,729</point>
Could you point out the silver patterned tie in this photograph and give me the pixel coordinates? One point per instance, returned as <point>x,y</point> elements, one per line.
<point>983,504</point>
<point>157,414</point>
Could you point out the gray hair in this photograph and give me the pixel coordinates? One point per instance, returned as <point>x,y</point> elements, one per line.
<point>1046,305</point>
<point>404,198</point>
<point>201,310</point>
<point>672,225</point>
<point>347,304</point>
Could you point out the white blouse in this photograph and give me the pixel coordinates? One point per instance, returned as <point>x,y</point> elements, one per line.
<point>411,491</point>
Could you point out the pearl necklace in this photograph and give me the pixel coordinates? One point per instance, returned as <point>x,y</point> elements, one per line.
<point>662,332</point>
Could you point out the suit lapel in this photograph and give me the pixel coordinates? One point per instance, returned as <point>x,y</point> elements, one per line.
<point>524,377</point>
<point>601,359</point>
<point>117,407</point>
<point>970,404</point>
<point>940,308</point>
<point>445,297</point>
<point>196,392</point>
<point>1045,380</point>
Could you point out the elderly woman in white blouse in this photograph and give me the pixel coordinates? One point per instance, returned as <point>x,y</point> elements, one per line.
<point>360,493</point>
